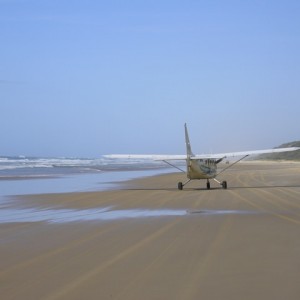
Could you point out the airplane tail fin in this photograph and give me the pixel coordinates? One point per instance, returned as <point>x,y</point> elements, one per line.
<point>189,152</point>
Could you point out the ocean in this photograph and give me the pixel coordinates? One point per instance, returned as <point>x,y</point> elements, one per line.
<point>21,176</point>
<point>34,175</point>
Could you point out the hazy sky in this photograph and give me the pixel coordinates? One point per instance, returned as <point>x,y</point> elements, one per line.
<point>85,78</point>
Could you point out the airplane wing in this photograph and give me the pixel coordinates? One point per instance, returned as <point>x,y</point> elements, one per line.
<point>200,156</point>
<point>146,156</point>
<point>244,153</point>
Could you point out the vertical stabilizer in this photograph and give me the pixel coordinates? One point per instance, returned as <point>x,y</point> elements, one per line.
<point>189,152</point>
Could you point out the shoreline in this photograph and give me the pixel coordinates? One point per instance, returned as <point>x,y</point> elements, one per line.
<point>27,177</point>
<point>162,182</point>
<point>70,183</point>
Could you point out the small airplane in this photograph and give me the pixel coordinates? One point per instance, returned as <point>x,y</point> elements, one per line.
<point>203,166</point>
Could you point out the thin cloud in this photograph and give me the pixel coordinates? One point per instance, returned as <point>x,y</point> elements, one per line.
<point>10,82</point>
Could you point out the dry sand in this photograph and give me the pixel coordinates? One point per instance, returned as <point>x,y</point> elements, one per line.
<point>240,243</point>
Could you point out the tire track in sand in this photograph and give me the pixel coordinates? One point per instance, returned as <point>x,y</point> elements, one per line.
<point>263,209</point>
<point>73,285</point>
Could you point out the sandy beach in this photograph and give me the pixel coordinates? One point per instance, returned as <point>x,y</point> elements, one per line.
<point>148,240</point>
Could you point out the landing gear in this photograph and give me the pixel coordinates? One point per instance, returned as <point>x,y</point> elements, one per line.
<point>224,185</point>
<point>208,184</point>
<point>180,186</point>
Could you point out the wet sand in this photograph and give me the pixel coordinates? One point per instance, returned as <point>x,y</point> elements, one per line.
<point>240,243</point>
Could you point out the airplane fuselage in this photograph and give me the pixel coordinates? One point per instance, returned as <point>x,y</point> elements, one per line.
<point>201,168</point>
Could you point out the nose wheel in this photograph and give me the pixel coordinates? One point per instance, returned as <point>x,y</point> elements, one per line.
<point>208,184</point>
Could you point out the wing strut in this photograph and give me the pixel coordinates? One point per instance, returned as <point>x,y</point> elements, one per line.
<point>174,166</point>
<point>232,165</point>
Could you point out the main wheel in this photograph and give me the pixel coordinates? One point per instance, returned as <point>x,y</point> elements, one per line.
<point>224,185</point>
<point>180,186</point>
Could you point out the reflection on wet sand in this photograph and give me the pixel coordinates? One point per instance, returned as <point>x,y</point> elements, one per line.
<point>10,215</point>
<point>50,215</point>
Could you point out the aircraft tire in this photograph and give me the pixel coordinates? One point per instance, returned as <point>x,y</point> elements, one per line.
<point>180,186</point>
<point>208,185</point>
<point>224,185</point>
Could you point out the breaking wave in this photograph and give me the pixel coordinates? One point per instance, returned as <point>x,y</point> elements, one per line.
<point>27,165</point>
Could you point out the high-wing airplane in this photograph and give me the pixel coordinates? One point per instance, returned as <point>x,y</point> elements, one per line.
<point>202,166</point>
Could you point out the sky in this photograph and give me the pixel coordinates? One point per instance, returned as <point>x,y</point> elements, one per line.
<point>86,78</point>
